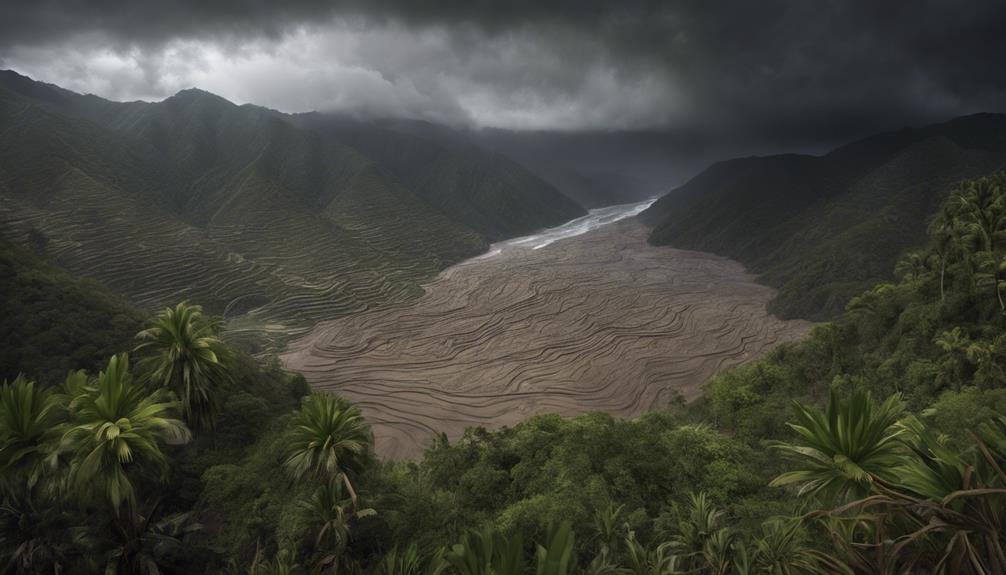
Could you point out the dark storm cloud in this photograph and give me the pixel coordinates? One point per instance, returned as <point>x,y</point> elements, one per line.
<point>793,71</point>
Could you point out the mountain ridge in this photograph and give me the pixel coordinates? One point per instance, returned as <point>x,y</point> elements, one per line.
<point>778,214</point>
<point>238,207</point>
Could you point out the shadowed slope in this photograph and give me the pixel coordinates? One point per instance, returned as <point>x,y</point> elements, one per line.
<point>236,207</point>
<point>822,229</point>
<point>486,191</point>
<point>54,322</point>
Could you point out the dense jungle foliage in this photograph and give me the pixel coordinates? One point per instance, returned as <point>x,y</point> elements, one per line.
<point>875,445</point>
<point>53,322</point>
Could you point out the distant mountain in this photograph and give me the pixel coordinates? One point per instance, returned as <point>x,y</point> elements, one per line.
<point>484,190</point>
<point>824,228</point>
<point>269,219</point>
<point>594,169</point>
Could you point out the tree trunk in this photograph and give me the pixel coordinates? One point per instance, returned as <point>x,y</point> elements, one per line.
<point>999,293</point>
<point>881,552</point>
<point>996,555</point>
<point>943,269</point>
<point>349,487</point>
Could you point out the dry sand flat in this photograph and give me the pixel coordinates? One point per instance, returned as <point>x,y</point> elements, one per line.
<point>600,321</point>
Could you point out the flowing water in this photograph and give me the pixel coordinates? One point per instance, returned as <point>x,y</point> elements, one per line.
<point>594,219</point>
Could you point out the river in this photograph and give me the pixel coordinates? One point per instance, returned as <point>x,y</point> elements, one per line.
<point>594,219</point>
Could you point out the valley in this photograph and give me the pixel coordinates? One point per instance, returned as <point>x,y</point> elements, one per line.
<point>272,221</point>
<point>584,317</point>
<point>472,288</point>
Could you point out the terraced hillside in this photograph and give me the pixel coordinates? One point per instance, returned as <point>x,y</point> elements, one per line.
<point>236,207</point>
<point>596,322</point>
<point>823,229</point>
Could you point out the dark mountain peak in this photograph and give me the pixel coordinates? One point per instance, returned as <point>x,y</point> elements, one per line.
<point>977,118</point>
<point>744,162</point>
<point>863,153</point>
<point>33,89</point>
<point>193,95</point>
<point>12,76</point>
<point>982,131</point>
<point>262,110</point>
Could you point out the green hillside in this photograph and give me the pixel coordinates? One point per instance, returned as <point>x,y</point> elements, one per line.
<point>264,221</point>
<point>824,228</point>
<point>906,480</point>
<point>54,322</point>
<point>484,190</point>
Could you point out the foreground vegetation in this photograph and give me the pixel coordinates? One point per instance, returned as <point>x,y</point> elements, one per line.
<point>188,456</point>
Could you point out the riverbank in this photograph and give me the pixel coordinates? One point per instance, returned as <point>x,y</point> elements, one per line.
<point>599,321</point>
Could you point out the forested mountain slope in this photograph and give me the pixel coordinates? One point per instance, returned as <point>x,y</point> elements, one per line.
<point>263,220</point>
<point>568,161</point>
<point>595,169</point>
<point>823,228</point>
<point>484,190</point>
<point>285,480</point>
<point>54,322</point>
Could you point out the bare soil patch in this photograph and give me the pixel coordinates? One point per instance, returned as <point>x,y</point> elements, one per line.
<point>597,322</point>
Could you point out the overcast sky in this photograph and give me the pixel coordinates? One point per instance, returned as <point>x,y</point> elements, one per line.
<point>782,71</point>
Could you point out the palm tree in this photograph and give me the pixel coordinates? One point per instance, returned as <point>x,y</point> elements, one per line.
<point>35,532</point>
<point>988,272</point>
<point>32,519</point>
<point>981,216</point>
<point>871,309</point>
<point>958,493</point>
<point>28,418</point>
<point>187,357</point>
<point>34,523</point>
<point>985,356</point>
<point>603,565</point>
<point>936,507</point>
<point>783,549</point>
<point>328,439</point>
<point>981,211</point>
<point>113,434</point>
<point>556,557</point>
<point>331,513</point>
<point>701,540</point>
<point>282,563</point>
<point>606,527</point>
<point>955,344</point>
<point>911,266</point>
<point>641,561</point>
<point>142,545</point>
<point>487,552</point>
<point>410,561</point>
<point>946,238</point>
<point>845,449</point>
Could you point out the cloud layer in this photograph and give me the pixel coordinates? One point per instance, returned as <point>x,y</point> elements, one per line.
<point>779,70</point>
